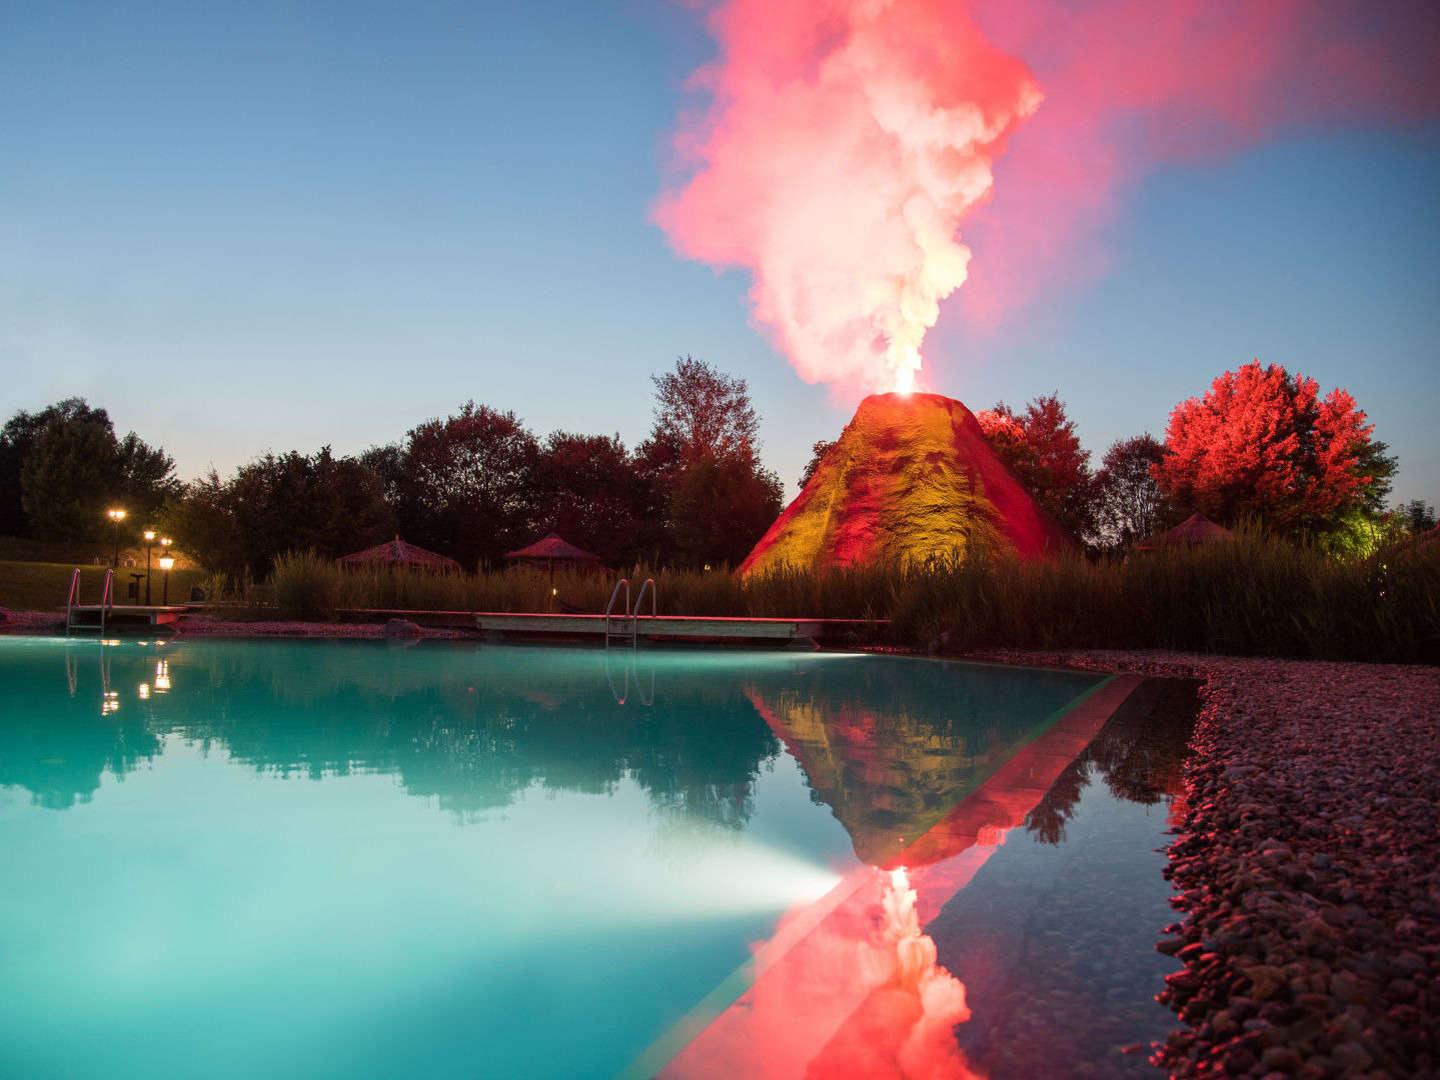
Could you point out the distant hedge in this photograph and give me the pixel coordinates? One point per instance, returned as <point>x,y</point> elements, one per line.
<point>1254,596</point>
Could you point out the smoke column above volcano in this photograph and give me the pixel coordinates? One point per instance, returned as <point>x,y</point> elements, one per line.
<point>846,142</point>
<point>850,149</point>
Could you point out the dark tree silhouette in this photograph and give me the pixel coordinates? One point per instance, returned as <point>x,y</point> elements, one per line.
<point>1417,515</point>
<point>468,484</point>
<point>817,455</point>
<point>701,463</point>
<point>588,490</point>
<point>62,467</point>
<point>1128,505</point>
<point>701,411</point>
<point>294,502</point>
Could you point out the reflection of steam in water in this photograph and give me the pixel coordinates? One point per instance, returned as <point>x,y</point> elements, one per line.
<point>925,990</point>
<point>848,988</point>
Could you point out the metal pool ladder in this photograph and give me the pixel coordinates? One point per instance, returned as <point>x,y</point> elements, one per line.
<point>107,599</point>
<point>614,593</point>
<point>633,614</point>
<point>648,586</point>
<point>72,600</point>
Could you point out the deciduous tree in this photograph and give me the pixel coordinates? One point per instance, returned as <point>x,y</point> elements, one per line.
<point>71,472</point>
<point>62,467</point>
<point>589,491</point>
<point>468,483</point>
<point>1128,505</point>
<point>295,502</point>
<point>720,507</point>
<point>700,410</point>
<point>1042,450</point>
<point>817,455</point>
<point>701,463</point>
<point>1417,515</point>
<point>1262,443</point>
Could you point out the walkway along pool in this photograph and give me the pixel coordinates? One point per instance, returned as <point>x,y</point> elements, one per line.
<point>316,859</point>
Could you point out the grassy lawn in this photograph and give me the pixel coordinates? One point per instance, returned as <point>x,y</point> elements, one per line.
<point>35,586</point>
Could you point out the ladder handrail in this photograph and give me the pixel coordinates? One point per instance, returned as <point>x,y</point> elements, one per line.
<point>613,594</point>
<point>107,598</point>
<point>649,585</point>
<point>72,598</point>
<point>620,698</point>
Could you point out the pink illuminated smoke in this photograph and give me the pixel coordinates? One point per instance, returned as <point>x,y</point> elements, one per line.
<point>846,142</point>
<point>854,151</point>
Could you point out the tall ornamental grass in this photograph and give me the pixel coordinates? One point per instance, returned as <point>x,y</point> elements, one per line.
<point>1255,596</point>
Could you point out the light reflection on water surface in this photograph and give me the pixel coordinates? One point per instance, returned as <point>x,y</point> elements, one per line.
<point>372,861</point>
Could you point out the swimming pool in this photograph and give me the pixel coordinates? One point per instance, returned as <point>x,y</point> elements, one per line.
<point>362,860</point>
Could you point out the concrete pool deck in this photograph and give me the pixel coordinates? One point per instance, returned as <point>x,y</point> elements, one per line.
<point>1306,865</point>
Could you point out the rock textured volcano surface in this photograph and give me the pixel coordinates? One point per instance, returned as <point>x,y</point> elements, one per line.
<point>911,478</point>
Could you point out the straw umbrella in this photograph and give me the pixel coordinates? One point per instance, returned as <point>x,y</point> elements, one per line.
<point>398,553</point>
<point>1196,529</point>
<point>549,550</point>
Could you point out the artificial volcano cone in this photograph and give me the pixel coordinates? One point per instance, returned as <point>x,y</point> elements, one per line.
<point>912,478</point>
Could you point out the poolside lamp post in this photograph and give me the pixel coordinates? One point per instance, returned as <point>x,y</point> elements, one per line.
<point>116,515</point>
<point>149,543</point>
<point>166,561</point>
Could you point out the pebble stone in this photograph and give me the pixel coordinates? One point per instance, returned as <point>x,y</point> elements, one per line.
<point>1306,868</point>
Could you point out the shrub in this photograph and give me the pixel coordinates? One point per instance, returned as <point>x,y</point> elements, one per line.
<point>1257,596</point>
<point>305,585</point>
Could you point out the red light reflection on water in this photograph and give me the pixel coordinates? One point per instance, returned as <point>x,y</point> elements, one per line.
<point>849,986</point>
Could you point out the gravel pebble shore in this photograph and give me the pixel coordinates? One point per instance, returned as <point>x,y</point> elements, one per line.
<point>1307,867</point>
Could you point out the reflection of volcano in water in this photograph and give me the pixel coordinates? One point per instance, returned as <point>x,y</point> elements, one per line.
<point>824,1001</point>
<point>891,771</point>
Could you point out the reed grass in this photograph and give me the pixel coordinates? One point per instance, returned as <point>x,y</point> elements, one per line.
<point>1257,596</point>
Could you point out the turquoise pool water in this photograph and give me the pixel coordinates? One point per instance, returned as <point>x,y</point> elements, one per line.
<point>316,859</point>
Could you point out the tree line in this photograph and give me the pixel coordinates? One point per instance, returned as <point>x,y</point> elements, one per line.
<point>62,467</point>
<point>1261,446</point>
<point>472,485</point>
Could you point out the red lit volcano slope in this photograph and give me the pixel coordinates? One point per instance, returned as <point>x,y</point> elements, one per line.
<point>911,478</point>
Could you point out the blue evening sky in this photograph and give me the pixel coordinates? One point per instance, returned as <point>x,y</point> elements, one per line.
<point>265,226</point>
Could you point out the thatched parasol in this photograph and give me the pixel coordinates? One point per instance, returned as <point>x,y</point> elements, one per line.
<point>398,553</point>
<point>549,550</point>
<point>1196,529</point>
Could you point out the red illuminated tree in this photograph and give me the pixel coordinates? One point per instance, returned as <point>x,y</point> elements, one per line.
<point>1263,443</point>
<point>1042,450</point>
